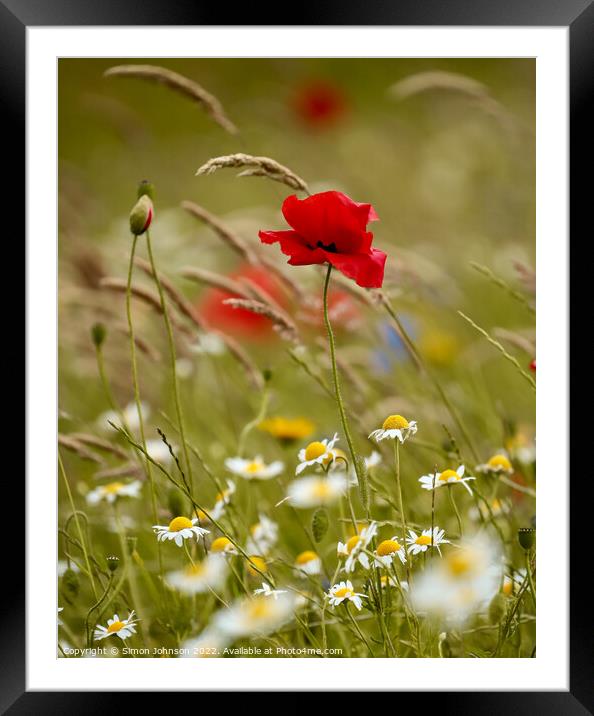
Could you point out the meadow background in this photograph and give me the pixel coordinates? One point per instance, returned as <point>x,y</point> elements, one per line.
<point>451,174</point>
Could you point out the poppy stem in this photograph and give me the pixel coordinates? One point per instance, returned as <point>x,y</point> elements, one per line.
<point>337,392</point>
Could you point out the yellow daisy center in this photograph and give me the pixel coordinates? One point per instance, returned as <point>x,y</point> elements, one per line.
<point>507,587</point>
<point>254,528</point>
<point>256,565</point>
<point>395,422</point>
<point>220,544</point>
<point>351,544</point>
<point>305,557</point>
<point>448,475</point>
<point>201,515</point>
<point>259,608</point>
<point>460,562</point>
<point>499,462</point>
<point>343,592</point>
<point>388,546</point>
<point>195,570</point>
<point>254,466</point>
<point>321,489</point>
<point>287,428</point>
<point>314,450</point>
<point>113,488</point>
<point>423,540</point>
<point>221,496</point>
<point>115,626</point>
<point>179,523</point>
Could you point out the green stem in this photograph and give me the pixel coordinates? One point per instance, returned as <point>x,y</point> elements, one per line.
<point>337,392</point>
<point>359,632</point>
<point>172,356</point>
<point>455,508</point>
<point>253,423</point>
<point>530,578</point>
<point>400,500</point>
<point>78,527</point>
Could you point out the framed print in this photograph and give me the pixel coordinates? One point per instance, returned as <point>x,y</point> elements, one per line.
<point>282,306</point>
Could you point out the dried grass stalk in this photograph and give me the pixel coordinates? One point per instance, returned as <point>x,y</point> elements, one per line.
<point>235,242</point>
<point>282,323</point>
<point>178,83</point>
<point>78,448</point>
<point>100,444</point>
<point>216,280</point>
<point>253,374</point>
<point>146,296</point>
<point>130,468</point>
<point>255,166</point>
<point>183,305</point>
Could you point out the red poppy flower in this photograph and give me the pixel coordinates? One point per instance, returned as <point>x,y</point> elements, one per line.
<point>238,321</point>
<point>331,228</point>
<point>319,104</point>
<point>532,365</point>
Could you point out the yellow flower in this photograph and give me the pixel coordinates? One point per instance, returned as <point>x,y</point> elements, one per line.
<point>287,429</point>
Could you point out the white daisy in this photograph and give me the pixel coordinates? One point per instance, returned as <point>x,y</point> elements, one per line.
<point>179,529</point>
<point>256,616</point>
<point>447,477</point>
<point>342,591</point>
<point>113,490</point>
<point>224,546</point>
<point>130,415</point>
<point>316,491</point>
<point>222,500</point>
<point>159,451</point>
<point>208,344</point>
<point>210,574</point>
<point>255,469</point>
<point>462,584</point>
<point>387,550</point>
<point>123,628</point>
<point>308,562</point>
<point>422,542</point>
<point>317,453</point>
<point>498,463</point>
<point>354,548</point>
<point>394,427</point>
<point>263,536</point>
<point>498,507</point>
<point>209,644</point>
<point>373,460</point>
<point>268,591</point>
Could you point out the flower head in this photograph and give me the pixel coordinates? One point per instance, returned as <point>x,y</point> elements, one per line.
<point>113,490</point>
<point>387,550</point>
<point>319,104</point>
<point>287,429</point>
<point>498,463</point>
<point>263,535</point>
<point>255,469</point>
<point>329,227</point>
<point>394,427</point>
<point>317,453</point>
<point>354,548</point>
<point>223,545</point>
<point>308,562</point>
<point>210,574</point>
<point>257,616</point>
<point>317,490</point>
<point>422,542</point>
<point>179,529</point>
<point>122,628</point>
<point>447,477</point>
<point>342,591</point>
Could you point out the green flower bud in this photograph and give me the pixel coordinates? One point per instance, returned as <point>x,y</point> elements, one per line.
<point>145,188</point>
<point>141,215</point>
<point>267,375</point>
<point>70,586</point>
<point>526,537</point>
<point>113,562</point>
<point>497,608</point>
<point>98,334</point>
<point>175,502</point>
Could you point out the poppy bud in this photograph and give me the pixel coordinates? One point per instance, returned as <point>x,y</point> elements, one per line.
<point>267,375</point>
<point>526,538</point>
<point>141,215</point>
<point>98,333</point>
<point>145,188</point>
<point>113,562</point>
<point>175,502</point>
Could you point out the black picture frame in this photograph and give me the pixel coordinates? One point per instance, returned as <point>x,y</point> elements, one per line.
<point>578,15</point>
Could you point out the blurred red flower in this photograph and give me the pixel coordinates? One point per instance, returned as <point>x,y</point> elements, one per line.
<point>329,227</point>
<point>238,321</point>
<point>532,365</point>
<point>319,104</point>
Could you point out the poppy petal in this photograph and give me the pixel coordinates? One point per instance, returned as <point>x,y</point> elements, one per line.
<point>367,270</point>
